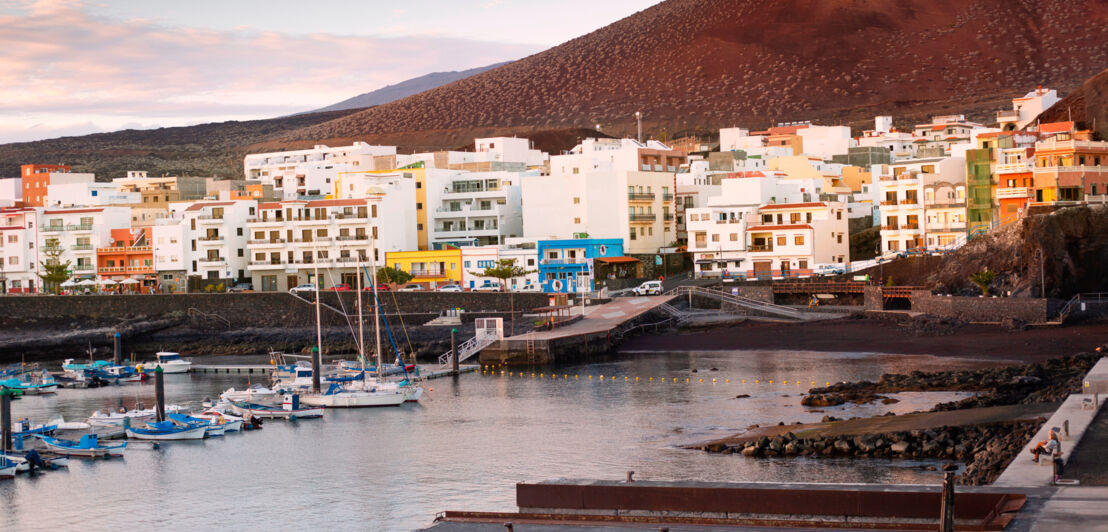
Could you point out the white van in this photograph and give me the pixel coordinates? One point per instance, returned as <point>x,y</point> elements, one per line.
<point>649,288</point>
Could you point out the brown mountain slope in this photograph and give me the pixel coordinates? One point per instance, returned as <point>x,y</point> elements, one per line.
<point>707,63</point>
<point>1088,106</point>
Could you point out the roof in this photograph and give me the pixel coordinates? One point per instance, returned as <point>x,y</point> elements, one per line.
<point>938,127</point>
<point>616,260</point>
<point>72,211</point>
<point>201,205</point>
<point>1056,127</point>
<point>9,228</point>
<point>777,227</point>
<point>270,205</point>
<point>773,206</point>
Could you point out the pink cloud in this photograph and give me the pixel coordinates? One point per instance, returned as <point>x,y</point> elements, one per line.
<point>60,60</point>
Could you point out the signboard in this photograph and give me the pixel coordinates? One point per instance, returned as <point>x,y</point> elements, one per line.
<point>657,260</point>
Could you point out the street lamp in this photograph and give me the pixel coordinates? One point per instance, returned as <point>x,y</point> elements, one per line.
<point>638,119</point>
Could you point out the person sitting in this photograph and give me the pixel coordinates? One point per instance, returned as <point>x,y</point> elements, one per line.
<point>1051,446</point>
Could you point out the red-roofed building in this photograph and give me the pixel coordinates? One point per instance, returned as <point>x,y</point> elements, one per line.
<point>18,254</point>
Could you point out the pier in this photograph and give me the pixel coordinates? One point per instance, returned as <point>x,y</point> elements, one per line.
<point>426,372</point>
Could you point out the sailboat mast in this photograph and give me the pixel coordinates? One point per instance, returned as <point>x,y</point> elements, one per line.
<point>361,328</point>
<point>317,366</point>
<point>376,304</point>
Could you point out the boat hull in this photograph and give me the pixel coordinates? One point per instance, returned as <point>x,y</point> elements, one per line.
<point>277,412</point>
<point>196,433</point>
<point>354,400</point>
<point>76,451</point>
<point>7,471</point>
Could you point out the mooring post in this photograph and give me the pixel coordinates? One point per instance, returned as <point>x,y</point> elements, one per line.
<point>117,354</point>
<point>6,419</point>
<point>454,351</point>
<point>946,514</point>
<point>317,368</point>
<point>159,392</point>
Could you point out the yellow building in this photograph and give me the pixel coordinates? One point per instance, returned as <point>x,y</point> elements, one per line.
<point>855,177</point>
<point>434,267</point>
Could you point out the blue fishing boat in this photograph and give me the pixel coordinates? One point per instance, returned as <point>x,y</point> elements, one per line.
<point>214,429</point>
<point>46,385</point>
<point>88,446</point>
<point>166,430</point>
<point>7,468</point>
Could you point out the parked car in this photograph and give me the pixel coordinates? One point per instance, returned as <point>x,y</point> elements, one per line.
<point>829,269</point>
<point>306,287</point>
<point>529,287</point>
<point>489,287</point>
<point>241,287</point>
<point>411,288</point>
<point>382,287</point>
<point>451,288</point>
<point>649,288</point>
<point>340,288</point>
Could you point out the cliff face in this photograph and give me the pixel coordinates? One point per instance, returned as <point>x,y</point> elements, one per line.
<point>1073,244</point>
<point>1088,106</point>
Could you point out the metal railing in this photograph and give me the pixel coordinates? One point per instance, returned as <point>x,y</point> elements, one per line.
<point>468,348</point>
<point>640,196</point>
<point>752,304</point>
<point>643,217</point>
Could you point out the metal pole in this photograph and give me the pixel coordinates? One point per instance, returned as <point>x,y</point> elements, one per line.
<point>946,513</point>
<point>6,419</point>
<point>638,119</point>
<point>117,357</point>
<point>316,369</point>
<point>454,351</point>
<point>1042,273</point>
<point>159,392</point>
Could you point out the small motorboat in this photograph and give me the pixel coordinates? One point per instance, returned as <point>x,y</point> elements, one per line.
<point>167,430</point>
<point>115,419</point>
<point>288,409</point>
<point>23,427</point>
<point>169,361</point>
<point>256,393</point>
<point>214,429</point>
<point>25,459</point>
<point>342,397</point>
<point>230,423</point>
<point>88,446</point>
<point>41,382</point>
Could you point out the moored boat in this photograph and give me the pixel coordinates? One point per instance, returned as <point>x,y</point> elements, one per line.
<point>169,361</point>
<point>256,393</point>
<point>288,409</point>
<point>166,431</point>
<point>88,446</point>
<point>230,422</point>
<point>7,468</point>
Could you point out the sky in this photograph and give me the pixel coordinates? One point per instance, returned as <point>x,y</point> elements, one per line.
<point>72,67</point>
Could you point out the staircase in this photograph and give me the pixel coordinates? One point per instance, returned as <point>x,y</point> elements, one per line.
<point>312,302</point>
<point>1075,301</point>
<point>744,302</point>
<point>468,348</point>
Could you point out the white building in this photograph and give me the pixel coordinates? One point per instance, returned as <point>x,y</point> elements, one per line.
<point>168,238</point>
<point>214,238</point>
<point>76,233</point>
<point>18,249</point>
<point>88,194</point>
<point>826,141</point>
<point>11,191</point>
<point>606,188</point>
<point>311,172</point>
<point>737,138</point>
<point>901,190</point>
<point>476,208</point>
<point>1025,110</point>
<point>793,239</point>
<point>290,240</point>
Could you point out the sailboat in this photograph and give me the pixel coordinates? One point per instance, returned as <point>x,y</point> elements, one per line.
<point>353,394</point>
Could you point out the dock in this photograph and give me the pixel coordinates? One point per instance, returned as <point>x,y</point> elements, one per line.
<point>597,331</point>
<point>425,371</point>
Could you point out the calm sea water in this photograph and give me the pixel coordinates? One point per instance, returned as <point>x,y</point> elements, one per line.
<point>463,448</point>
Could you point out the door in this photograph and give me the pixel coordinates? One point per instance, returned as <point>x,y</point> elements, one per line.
<point>292,281</point>
<point>785,269</point>
<point>763,269</point>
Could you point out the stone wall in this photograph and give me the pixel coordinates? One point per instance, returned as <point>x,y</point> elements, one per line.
<point>872,298</point>
<point>259,309</point>
<point>981,309</point>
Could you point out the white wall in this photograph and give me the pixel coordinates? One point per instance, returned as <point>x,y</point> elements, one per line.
<point>825,141</point>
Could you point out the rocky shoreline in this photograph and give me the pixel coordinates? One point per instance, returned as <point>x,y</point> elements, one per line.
<point>986,449</point>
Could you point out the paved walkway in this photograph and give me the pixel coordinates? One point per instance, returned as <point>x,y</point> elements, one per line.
<point>1069,509</point>
<point>601,318</point>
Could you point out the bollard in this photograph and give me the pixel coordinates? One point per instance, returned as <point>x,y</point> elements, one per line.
<point>508,526</point>
<point>159,392</point>
<point>946,511</point>
<point>5,420</point>
<point>454,352</point>
<point>1066,427</point>
<point>629,475</point>
<point>117,354</point>
<point>317,368</point>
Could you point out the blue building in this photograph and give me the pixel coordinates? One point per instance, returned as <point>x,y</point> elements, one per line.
<point>569,266</point>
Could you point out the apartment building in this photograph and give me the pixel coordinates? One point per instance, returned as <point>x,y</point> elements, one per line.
<point>18,250</point>
<point>73,235</point>
<point>944,126</point>
<point>37,177</point>
<point>290,240</point>
<point>792,239</point>
<point>574,265</point>
<point>11,192</point>
<point>153,191</point>
<point>128,258</point>
<point>694,187</point>
<point>214,238</point>
<point>1026,109</point>
<point>903,210</point>
<point>610,188</point>
<point>168,238</point>
<point>474,208</point>
<point>511,154</point>
<point>1069,165</point>
<point>398,196</point>
<point>312,172</point>
<point>87,194</point>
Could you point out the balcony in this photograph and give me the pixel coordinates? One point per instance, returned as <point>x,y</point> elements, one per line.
<point>213,260</point>
<point>1007,115</point>
<point>910,201</point>
<point>889,203</point>
<point>1014,193</point>
<point>642,217</point>
<point>350,217</point>
<point>87,247</point>
<point>562,262</point>
<point>910,226</point>
<point>78,227</point>
<point>949,227</point>
<point>205,218</point>
<point>265,221</point>
<point>890,227</point>
<point>640,196</point>
<point>1013,168</point>
<point>267,264</point>
<point>210,238</point>
<point>431,272</point>
<point>669,218</point>
<point>352,238</point>
<point>667,197</point>
<point>52,228</point>
<point>112,269</point>
<point>759,248</point>
<point>267,241</point>
<point>82,268</point>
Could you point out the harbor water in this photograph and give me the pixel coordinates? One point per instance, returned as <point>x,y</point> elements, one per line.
<point>462,448</point>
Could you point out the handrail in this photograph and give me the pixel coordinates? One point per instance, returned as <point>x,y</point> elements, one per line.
<point>469,348</point>
<point>738,300</point>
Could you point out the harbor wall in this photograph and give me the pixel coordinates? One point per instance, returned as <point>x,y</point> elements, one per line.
<point>259,309</point>
<point>982,309</point>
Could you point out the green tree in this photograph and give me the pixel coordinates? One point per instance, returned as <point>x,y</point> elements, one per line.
<point>54,271</point>
<point>390,275</point>
<point>983,279</point>
<point>505,270</point>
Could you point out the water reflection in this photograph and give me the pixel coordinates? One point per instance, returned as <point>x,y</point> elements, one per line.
<point>465,447</point>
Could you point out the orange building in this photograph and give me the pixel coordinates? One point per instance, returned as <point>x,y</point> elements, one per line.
<point>1069,165</point>
<point>131,256</point>
<point>35,179</point>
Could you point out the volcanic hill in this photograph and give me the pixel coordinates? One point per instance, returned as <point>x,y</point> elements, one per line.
<point>689,66</point>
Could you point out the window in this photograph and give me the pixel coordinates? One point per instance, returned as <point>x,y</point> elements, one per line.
<point>239,231</point>
<point>419,206</point>
<point>734,237</point>
<point>798,240</point>
<point>240,252</point>
<point>782,240</point>
<point>632,233</point>
<point>576,200</point>
<point>838,216</point>
<point>578,220</point>
<point>840,238</point>
<point>715,237</point>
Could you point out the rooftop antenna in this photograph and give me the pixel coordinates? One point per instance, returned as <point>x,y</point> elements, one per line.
<point>638,118</point>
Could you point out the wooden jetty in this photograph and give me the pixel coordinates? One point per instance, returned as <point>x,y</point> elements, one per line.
<point>426,372</point>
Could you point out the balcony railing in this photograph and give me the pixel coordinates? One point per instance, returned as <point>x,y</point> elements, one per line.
<point>112,269</point>
<point>909,202</point>
<point>352,238</point>
<point>890,227</point>
<point>210,238</point>
<point>760,247</point>
<point>209,217</point>
<point>49,228</point>
<point>640,196</point>
<point>888,203</point>
<point>575,260</point>
<point>267,241</point>
<point>123,249</point>
<point>78,227</point>
<point>910,226</point>
<point>1009,114</point>
<point>267,263</point>
<point>213,259</point>
<point>82,267</point>
<point>87,247</point>
<point>643,217</point>
<point>667,197</point>
<point>668,217</point>
<point>427,273</point>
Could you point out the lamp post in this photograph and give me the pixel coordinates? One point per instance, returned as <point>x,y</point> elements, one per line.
<point>638,119</point>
